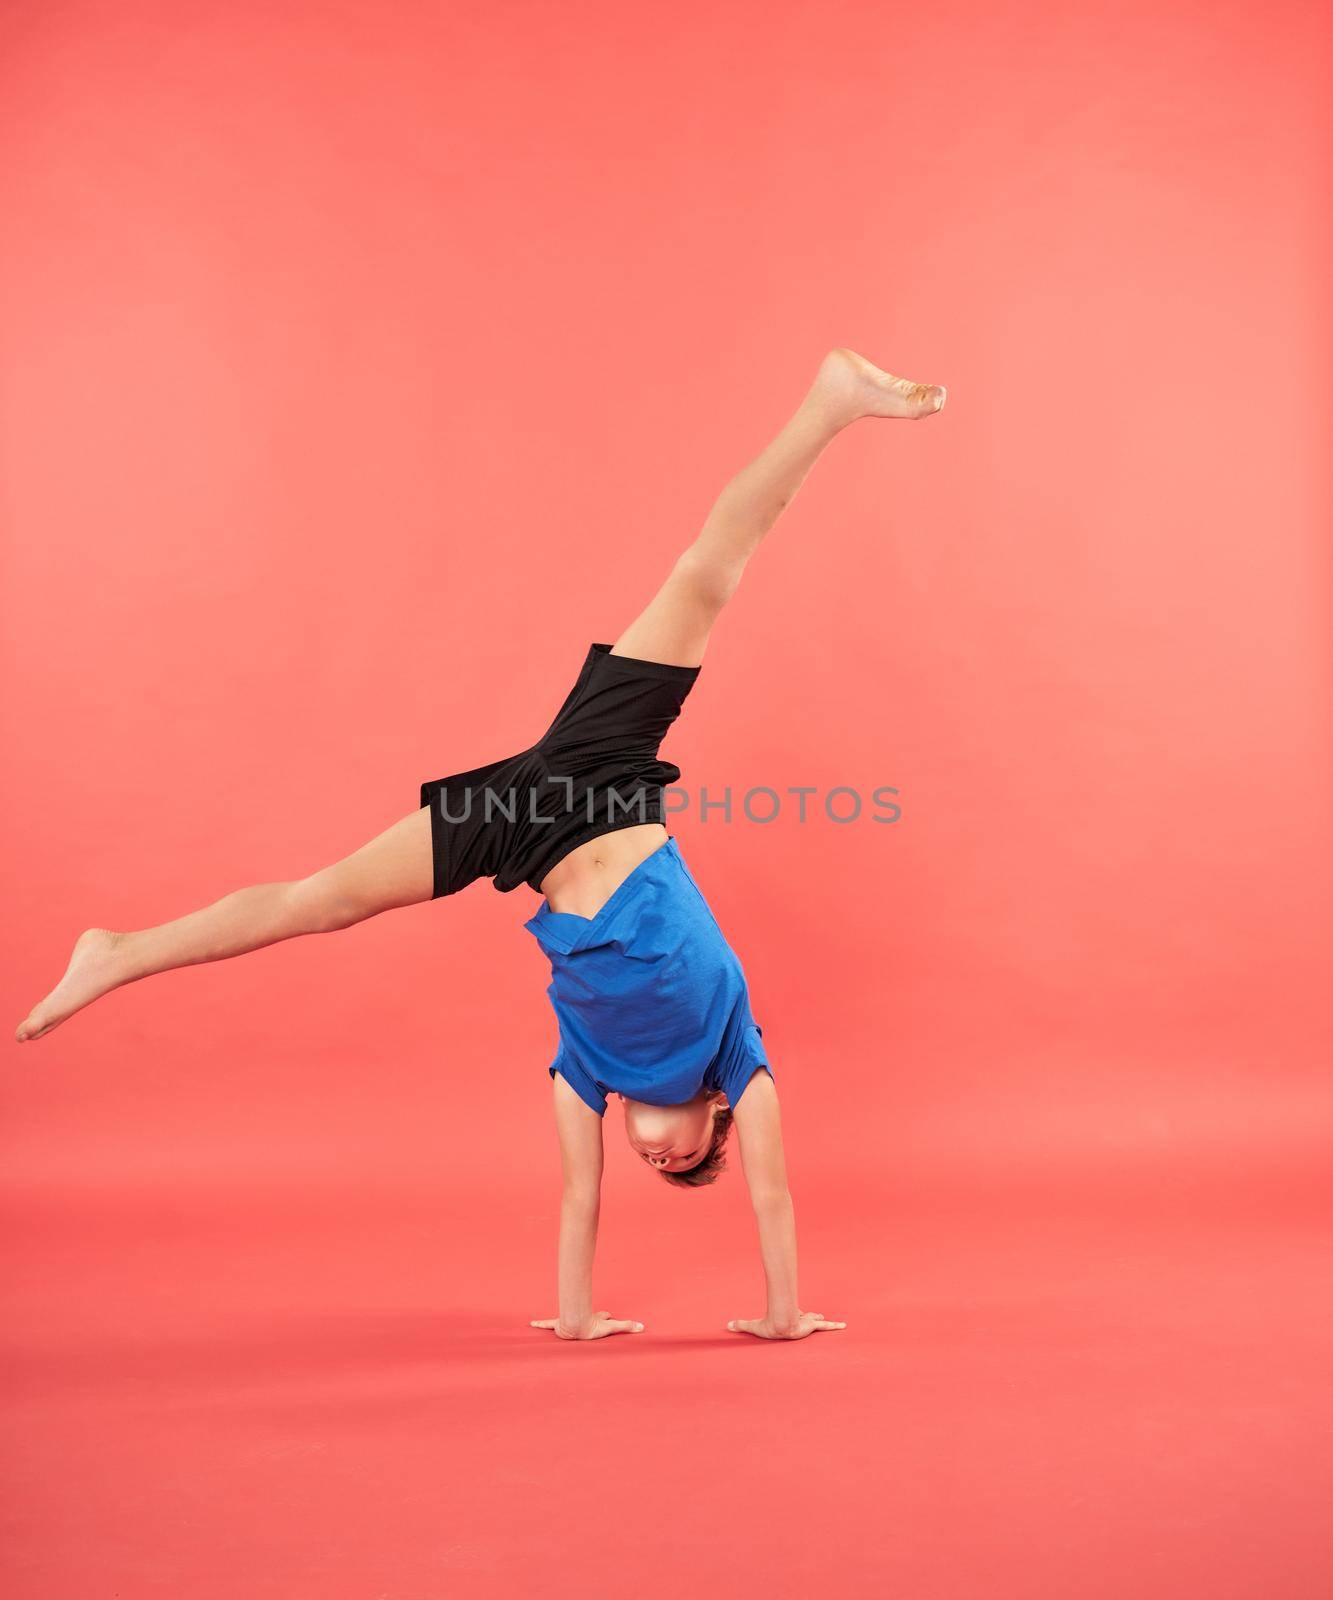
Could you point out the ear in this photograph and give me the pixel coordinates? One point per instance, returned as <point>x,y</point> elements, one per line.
<point>719,1100</point>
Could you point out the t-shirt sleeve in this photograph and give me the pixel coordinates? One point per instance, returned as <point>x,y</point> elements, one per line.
<point>734,1073</point>
<point>578,1080</point>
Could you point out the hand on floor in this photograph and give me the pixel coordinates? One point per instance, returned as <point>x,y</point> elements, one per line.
<point>599,1326</point>
<point>807,1322</point>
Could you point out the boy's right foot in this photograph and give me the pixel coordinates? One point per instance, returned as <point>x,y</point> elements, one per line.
<point>854,387</point>
<point>94,969</point>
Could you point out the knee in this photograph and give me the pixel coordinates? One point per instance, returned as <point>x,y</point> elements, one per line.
<point>710,582</point>
<point>320,905</point>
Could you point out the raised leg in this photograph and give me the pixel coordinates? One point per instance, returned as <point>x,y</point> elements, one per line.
<point>674,627</point>
<point>394,869</point>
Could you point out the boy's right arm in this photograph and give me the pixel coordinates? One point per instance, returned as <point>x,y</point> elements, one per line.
<point>580,1131</point>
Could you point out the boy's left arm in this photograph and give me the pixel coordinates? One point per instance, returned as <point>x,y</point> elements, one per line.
<point>759,1129</point>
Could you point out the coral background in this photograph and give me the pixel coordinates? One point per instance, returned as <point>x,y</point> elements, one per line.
<point>363,363</point>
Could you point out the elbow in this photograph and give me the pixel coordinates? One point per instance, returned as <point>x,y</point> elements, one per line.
<point>770,1199</point>
<point>582,1196</point>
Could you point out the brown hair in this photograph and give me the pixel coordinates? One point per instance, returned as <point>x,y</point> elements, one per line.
<point>714,1163</point>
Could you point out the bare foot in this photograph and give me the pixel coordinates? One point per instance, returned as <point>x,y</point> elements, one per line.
<point>93,970</point>
<point>853,386</point>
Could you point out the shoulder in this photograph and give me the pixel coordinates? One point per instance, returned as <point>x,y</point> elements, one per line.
<point>741,1054</point>
<point>574,1083</point>
<point>755,1096</point>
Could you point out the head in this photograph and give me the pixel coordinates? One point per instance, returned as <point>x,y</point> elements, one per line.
<point>684,1143</point>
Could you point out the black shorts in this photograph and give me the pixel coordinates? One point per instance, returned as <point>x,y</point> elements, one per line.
<point>594,770</point>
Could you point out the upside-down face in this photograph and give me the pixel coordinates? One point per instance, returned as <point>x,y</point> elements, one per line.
<point>673,1138</point>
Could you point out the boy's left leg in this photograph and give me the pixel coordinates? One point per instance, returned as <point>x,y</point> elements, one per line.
<point>675,625</point>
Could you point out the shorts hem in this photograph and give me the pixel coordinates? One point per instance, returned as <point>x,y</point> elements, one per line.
<point>430,796</point>
<point>654,669</point>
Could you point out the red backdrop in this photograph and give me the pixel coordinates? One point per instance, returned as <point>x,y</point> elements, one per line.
<point>362,363</point>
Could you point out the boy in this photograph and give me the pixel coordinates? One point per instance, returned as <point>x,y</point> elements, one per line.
<point>651,1001</point>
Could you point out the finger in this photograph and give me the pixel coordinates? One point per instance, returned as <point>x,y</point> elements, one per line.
<point>550,1323</point>
<point>828,1327</point>
<point>741,1325</point>
<point>606,1328</point>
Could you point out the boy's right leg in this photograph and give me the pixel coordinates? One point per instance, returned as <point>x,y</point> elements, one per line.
<point>394,869</point>
<point>675,625</point>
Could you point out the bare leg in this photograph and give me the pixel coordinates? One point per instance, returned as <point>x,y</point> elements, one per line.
<point>675,626</point>
<point>394,869</point>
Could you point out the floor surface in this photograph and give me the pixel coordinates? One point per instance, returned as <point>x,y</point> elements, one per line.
<point>1119,1390</point>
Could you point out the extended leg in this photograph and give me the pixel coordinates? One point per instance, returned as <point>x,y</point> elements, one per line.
<point>394,869</point>
<point>675,626</point>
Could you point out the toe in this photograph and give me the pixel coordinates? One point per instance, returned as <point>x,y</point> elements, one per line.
<point>925,398</point>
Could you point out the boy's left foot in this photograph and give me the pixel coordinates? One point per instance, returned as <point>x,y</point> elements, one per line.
<point>855,387</point>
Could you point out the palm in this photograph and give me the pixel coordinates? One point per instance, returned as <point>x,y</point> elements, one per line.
<point>807,1322</point>
<point>601,1325</point>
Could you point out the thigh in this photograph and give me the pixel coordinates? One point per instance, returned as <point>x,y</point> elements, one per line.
<point>674,626</point>
<point>396,868</point>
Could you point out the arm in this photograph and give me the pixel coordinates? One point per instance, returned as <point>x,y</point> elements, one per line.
<point>759,1129</point>
<point>580,1131</point>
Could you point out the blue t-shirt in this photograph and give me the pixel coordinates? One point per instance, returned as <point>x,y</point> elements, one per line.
<point>651,999</point>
